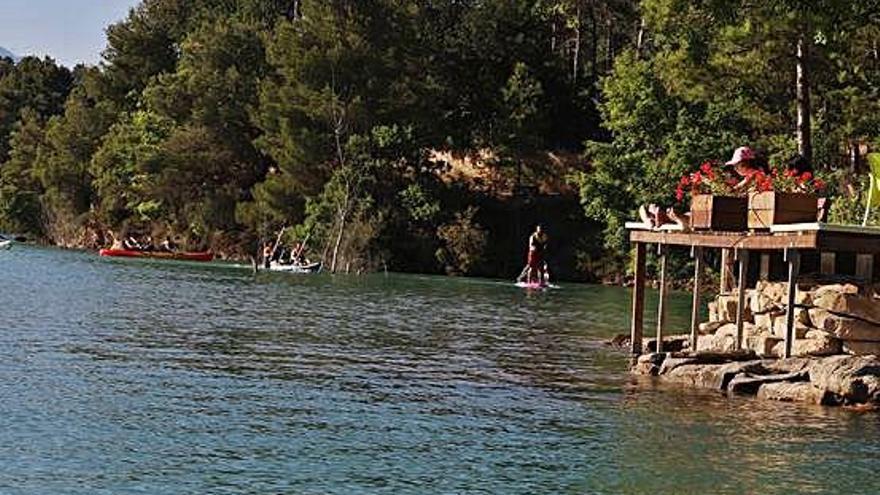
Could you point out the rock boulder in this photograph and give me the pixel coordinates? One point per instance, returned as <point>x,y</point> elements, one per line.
<point>816,344</point>
<point>853,305</point>
<point>852,379</point>
<point>861,348</point>
<point>851,329</point>
<point>794,392</point>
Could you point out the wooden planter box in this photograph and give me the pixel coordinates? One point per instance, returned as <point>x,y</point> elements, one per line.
<point>709,212</point>
<point>773,208</point>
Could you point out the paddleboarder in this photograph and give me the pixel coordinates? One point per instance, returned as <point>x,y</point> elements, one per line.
<point>534,271</point>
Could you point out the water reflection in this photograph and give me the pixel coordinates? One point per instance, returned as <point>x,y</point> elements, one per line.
<point>170,378</point>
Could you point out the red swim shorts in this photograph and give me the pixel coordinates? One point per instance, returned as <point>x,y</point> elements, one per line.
<point>534,259</point>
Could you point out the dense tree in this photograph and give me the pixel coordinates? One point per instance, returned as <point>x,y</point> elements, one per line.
<point>20,190</point>
<point>717,75</point>
<point>221,122</point>
<point>38,84</point>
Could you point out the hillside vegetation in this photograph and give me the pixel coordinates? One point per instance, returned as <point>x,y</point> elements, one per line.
<point>351,122</point>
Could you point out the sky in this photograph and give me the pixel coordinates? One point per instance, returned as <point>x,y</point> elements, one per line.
<point>70,31</point>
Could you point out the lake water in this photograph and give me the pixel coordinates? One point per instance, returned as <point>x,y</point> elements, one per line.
<point>128,376</point>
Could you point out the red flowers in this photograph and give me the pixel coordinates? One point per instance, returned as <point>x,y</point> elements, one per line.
<point>710,178</point>
<point>763,182</point>
<point>707,179</point>
<point>788,180</point>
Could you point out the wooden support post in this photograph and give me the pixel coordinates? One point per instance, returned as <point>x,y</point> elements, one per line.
<point>765,267</point>
<point>792,257</point>
<point>742,256</point>
<point>865,267</point>
<point>661,304</point>
<point>827,263</point>
<point>697,253</point>
<point>726,284</point>
<point>638,302</point>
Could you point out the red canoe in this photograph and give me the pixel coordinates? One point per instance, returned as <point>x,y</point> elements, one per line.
<point>125,253</point>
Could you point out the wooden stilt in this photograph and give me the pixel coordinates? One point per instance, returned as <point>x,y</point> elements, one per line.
<point>742,257</point>
<point>865,266</point>
<point>661,305</point>
<point>826,263</point>
<point>792,257</point>
<point>697,253</point>
<point>765,267</point>
<point>726,284</point>
<point>638,303</point>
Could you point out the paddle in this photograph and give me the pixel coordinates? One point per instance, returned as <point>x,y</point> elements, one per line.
<point>277,241</point>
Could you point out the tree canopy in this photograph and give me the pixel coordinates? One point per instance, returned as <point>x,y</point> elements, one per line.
<point>220,123</point>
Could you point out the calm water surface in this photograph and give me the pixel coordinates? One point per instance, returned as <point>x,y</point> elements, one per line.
<point>127,376</point>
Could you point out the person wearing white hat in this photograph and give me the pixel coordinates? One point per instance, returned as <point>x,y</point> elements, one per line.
<point>744,162</point>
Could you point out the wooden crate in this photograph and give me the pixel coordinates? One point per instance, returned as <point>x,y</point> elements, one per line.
<point>709,212</point>
<point>774,208</point>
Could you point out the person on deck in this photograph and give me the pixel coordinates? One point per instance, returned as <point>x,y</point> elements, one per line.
<point>747,165</point>
<point>535,260</point>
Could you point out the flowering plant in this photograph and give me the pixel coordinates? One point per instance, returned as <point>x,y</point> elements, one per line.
<point>708,179</point>
<point>788,181</point>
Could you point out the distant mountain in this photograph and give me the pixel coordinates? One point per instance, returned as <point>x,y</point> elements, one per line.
<point>6,53</point>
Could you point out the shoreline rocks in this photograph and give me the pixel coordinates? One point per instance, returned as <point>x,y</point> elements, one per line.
<point>840,380</point>
<point>830,319</point>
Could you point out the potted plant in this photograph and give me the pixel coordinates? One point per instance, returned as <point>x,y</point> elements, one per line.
<point>714,206</point>
<point>783,197</point>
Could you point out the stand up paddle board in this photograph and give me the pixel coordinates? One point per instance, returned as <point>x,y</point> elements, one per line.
<point>536,286</point>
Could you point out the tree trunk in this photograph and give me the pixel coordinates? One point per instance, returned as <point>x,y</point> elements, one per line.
<point>294,10</point>
<point>576,53</point>
<point>342,218</point>
<point>804,136</point>
<point>640,39</point>
<point>854,155</point>
<point>609,43</point>
<point>594,45</point>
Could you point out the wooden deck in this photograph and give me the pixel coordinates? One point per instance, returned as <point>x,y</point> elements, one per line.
<point>818,237</point>
<point>789,239</point>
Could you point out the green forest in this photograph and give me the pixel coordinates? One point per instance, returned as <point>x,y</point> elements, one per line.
<point>423,135</point>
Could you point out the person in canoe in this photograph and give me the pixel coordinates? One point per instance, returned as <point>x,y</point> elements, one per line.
<point>267,255</point>
<point>298,254</point>
<point>168,245</point>
<point>115,242</point>
<point>131,244</point>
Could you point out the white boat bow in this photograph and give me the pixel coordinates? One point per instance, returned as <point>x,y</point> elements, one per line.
<point>293,268</point>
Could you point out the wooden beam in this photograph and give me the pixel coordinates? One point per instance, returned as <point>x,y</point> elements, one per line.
<point>848,243</point>
<point>638,301</point>
<point>725,285</point>
<point>661,304</point>
<point>697,253</point>
<point>764,272</point>
<point>793,258</point>
<point>734,240</point>
<point>742,257</point>
<point>823,240</point>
